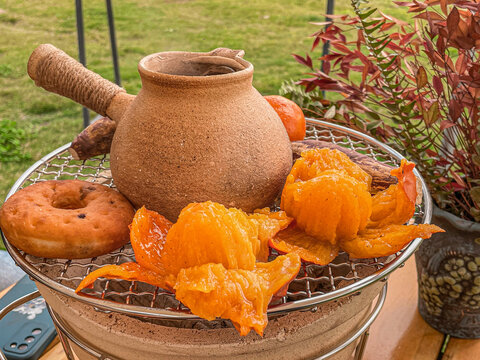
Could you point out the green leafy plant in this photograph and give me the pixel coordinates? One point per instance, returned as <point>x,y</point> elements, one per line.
<point>414,86</point>
<point>11,137</point>
<point>312,103</point>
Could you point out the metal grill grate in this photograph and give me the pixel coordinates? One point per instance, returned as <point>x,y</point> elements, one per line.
<point>314,284</point>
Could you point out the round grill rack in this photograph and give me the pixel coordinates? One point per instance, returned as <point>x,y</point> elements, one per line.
<point>314,284</point>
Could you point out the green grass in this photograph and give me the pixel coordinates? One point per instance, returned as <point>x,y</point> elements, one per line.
<point>268,31</point>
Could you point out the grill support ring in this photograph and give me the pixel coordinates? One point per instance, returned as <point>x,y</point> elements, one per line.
<point>321,284</point>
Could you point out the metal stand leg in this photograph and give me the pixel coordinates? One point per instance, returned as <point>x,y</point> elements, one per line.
<point>326,46</point>
<point>330,6</point>
<point>63,339</point>
<point>361,333</point>
<point>81,51</point>
<point>113,42</point>
<point>67,338</point>
<point>359,351</point>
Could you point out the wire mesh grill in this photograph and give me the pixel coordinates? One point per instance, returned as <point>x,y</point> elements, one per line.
<point>314,284</point>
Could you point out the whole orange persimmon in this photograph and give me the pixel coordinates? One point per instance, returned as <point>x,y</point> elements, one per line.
<point>291,115</point>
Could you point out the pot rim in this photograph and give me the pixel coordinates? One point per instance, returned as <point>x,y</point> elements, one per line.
<point>193,80</point>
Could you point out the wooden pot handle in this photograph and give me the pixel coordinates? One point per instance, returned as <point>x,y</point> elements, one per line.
<point>55,71</point>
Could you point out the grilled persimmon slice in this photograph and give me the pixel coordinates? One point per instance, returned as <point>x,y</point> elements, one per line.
<point>208,232</point>
<point>310,249</point>
<point>212,291</point>
<point>279,272</point>
<point>328,198</point>
<point>130,271</point>
<point>329,206</point>
<point>396,204</point>
<point>148,233</point>
<point>315,161</point>
<point>268,224</point>
<point>205,232</point>
<point>387,240</point>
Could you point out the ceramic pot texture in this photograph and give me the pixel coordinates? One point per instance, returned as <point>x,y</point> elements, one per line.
<point>448,268</point>
<point>294,336</point>
<point>190,138</point>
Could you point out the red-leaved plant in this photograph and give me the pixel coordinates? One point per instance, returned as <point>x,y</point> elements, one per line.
<point>414,86</point>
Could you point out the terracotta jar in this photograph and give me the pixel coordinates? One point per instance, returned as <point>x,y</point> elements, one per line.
<point>294,336</point>
<point>196,131</point>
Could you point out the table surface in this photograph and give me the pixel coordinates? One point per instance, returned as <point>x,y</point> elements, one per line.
<point>399,333</point>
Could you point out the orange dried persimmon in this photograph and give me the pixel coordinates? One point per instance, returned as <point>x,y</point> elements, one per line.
<point>178,258</point>
<point>385,241</point>
<point>130,271</point>
<point>328,206</point>
<point>406,179</point>
<point>329,200</point>
<point>309,248</point>
<point>208,232</point>
<point>315,161</point>
<point>396,204</point>
<point>212,291</point>
<point>268,224</point>
<point>148,233</point>
<point>385,235</point>
<point>280,272</point>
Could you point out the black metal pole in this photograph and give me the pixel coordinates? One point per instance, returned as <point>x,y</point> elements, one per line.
<point>81,51</point>
<point>326,46</point>
<point>330,9</point>
<point>113,42</point>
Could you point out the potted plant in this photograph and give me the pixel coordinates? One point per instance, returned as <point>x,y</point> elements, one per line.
<point>416,87</point>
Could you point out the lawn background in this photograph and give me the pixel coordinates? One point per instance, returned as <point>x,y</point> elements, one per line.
<point>269,32</point>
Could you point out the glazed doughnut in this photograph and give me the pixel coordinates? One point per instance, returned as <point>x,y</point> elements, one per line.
<point>68,219</point>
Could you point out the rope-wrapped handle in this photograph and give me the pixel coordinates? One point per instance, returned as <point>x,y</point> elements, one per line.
<point>55,71</point>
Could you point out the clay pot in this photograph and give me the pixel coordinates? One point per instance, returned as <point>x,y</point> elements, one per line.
<point>297,335</point>
<point>196,131</point>
<point>448,268</point>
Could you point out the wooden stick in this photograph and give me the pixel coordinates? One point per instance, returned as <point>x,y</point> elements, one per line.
<point>94,140</point>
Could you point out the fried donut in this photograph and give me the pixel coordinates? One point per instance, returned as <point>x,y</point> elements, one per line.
<point>68,219</point>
